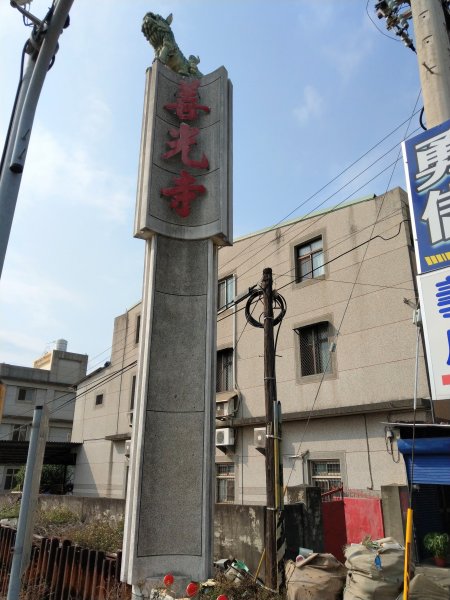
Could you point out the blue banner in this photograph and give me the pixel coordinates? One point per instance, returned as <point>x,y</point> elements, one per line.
<point>427,163</point>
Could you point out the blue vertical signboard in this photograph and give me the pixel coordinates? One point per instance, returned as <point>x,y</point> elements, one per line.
<point>427,166</point>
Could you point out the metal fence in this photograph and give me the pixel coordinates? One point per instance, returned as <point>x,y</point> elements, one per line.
<point>60,570</point>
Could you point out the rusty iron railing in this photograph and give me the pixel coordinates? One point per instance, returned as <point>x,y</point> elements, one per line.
<point>60,570</point>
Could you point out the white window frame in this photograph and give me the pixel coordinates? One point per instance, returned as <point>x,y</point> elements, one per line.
<point>225,292</point>
<point>225,476</point>
<point>311,254</point>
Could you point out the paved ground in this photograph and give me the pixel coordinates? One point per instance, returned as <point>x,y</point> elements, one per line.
<point>439,575</point>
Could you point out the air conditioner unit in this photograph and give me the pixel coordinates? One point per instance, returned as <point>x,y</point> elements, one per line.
<point>225,436</point>
<point>225,408</point>
<point>259,438</point>
<point>127,448</point>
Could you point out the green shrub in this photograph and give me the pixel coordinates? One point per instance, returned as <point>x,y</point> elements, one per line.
<point>59,515</point>
<point>101,534</point>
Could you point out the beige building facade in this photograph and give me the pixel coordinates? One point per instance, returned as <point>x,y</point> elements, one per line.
<point>345,359</point>
<point>50,381</point>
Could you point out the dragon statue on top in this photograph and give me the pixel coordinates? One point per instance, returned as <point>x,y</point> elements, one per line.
<point>158,32</point>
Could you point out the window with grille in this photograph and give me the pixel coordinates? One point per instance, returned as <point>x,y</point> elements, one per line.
<point>224,377</point>
<point>225,293</point>
<point>315,354</point>
<point>98,399</point>
<point>10,479</point>
<point>326,474</point>
<point>309,260</point>
<point>19,433</point>
<point>26,394</point>
<point>225,482</point>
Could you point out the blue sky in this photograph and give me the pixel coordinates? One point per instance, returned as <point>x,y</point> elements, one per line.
<point>315,86</point>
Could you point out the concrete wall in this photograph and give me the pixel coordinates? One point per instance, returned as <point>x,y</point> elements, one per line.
<point>88,509</point>
<point>395,504</point>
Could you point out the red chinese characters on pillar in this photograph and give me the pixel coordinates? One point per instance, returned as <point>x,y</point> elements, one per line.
<point>185,188</point>
<point>186,106</point>
<point>183,193</point>
<point>184,138</point>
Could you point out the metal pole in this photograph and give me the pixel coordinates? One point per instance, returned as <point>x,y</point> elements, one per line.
<point>433,57</point>
<point>11,175</point>
<point>270,399</point>
<point>33,471</point>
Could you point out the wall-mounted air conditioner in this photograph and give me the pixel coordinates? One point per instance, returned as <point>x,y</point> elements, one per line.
<point>127,448</point>
<point>225,436</point>
<point>224,409</point>
<point>259,438</point>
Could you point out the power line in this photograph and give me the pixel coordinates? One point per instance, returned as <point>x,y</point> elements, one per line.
<point>345,311</point>
<point>327,184</point>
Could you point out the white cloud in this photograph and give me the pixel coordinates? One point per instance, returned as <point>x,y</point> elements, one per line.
<point>29,292</point>
<point>311,107</point>
<point>354,48</point>
<point>67,171</point>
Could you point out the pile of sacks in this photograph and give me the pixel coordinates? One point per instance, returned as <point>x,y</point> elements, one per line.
<point>375,570</point>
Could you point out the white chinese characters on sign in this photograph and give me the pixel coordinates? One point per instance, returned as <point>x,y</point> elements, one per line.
<point>437,213</point>
<point>433,161</point>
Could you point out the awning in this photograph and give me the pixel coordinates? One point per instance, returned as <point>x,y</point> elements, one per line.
<point>56,453</point>
<point>431,459</point>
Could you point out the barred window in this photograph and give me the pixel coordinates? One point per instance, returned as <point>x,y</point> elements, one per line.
<point>225,483</point>
<point>98,399</point>
<point>326,474</point>
<point>309,260</point>
<point>315,354</point>
<point>224,377</point>
<point>225,292</point>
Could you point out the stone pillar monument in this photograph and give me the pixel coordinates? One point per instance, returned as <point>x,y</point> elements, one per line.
<point>183,213</point>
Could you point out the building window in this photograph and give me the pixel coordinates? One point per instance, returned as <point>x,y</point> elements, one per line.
<point>309,260</point>
<point>138,329</point>
<point>19,433</point>
<point>26,394</point>
<point>10,479</point>
<point>225,295</point>
<point>326,474</point>
<point>98,399</point>
<point>225,483</point>
<point>315,354</point>
<point>133,393</point>
<point>224,377</point>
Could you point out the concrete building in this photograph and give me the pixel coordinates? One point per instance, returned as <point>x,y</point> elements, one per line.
<point>50,381</point>
<point>345,360</point>
<point>104,415</point>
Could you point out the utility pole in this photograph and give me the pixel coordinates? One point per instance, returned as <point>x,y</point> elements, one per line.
<point>433,57</point>
<point>270,394</point>
<point>275,538</point>
<point>41,47</point>
<point>430,18</point>
<point>33,470</point>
